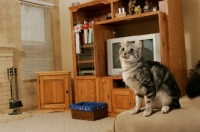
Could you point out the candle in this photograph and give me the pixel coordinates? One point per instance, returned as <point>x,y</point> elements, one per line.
<point>119,10</point>
<point>123,10</point>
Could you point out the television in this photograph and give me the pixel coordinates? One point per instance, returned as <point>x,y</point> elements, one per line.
<point>150,50</point>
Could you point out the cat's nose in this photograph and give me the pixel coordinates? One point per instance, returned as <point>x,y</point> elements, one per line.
<point>124,55</point>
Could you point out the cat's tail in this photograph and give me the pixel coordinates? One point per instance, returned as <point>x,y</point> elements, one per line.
<point>193,85</point>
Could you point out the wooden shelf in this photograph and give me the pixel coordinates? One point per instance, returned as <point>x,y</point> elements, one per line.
<point>86,61</point>
<point>54,91</point>
<point>87,46</point>
<point>92,5</point>
<point>120,88</point>
<point>130,19</point>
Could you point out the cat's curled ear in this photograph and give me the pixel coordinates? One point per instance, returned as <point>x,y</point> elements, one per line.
<point>138,43</point>
<point>124,41</point>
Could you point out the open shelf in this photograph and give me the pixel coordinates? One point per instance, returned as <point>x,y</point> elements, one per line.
<point>119,84</point>
<point>87,46</point>
<point>86,61</point>
<point>130,19</point>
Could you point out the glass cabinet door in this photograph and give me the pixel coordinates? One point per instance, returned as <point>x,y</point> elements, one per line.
<point>85,61</point>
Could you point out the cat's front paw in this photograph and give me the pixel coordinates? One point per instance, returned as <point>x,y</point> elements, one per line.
<point>165,109</point>
<point>134,111</point>
<point>142,108</point>
<point>147,113</point>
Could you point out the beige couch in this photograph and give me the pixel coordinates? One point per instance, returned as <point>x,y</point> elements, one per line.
<point>186,119</point>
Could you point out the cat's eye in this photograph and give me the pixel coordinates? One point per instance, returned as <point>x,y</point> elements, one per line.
<point>132,50</point>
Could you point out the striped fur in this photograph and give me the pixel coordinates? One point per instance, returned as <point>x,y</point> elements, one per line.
<point>148,79</point>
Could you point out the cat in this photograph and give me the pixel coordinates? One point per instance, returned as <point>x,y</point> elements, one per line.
<point>193,84</point>
<point>148,79</point>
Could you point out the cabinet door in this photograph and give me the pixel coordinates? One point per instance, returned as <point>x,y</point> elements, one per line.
<point>85,61</point>
<point>85,90</point>
<point>54,91</point>
<point>105,92</point>
<point>122,100</point>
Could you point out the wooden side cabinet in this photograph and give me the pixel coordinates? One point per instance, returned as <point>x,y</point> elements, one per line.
<point>54,90</point>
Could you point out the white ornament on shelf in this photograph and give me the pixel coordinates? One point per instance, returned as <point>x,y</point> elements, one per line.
<point>77,30</point>
<point>85,27</point>
<point>90,36</point>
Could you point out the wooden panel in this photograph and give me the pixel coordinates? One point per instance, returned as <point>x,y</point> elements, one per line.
<point>38,92</point>
<point>73,44</point>
<point>163,39</point>
<point>54,90</point>
<point>92,5</point>
<point>85,90</point>
<point>130,19</point>
<point>67,90</point>
<point>101,34</point>
<point>105,92</point>
<point>122,100</point>
<point>177,54</point>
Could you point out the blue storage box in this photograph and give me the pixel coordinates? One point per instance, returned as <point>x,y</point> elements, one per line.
<point>89,110</point>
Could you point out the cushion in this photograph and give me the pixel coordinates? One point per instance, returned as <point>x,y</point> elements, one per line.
<point>185,119</point>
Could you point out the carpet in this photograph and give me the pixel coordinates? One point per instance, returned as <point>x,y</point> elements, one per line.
<point>5,117</point>
<point>56,122</point>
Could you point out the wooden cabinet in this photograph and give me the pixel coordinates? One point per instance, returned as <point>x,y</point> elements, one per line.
<point>90,65</point>
<point>115,93</point>
<point>85,90</point>
<point>105,94</point>
<point>122,99</point>
<point>54,90</point>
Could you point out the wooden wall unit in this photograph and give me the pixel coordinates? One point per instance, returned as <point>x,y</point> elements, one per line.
<point>98,86</point>
<point>54,91</point>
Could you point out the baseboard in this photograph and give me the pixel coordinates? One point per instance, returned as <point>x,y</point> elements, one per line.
<point>27,109</point>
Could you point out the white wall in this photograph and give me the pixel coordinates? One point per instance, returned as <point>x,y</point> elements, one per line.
<point>191,16</point>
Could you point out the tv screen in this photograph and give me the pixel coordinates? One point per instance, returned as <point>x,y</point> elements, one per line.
<point>115,49</point>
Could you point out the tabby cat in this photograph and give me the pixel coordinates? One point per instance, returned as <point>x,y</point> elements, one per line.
<point>148,79</point>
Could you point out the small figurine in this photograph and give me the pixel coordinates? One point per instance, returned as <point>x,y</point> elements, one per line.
<point>91,34</point>
<point>131,6</point>
<point>137,9</point>
<point>85,28</point>
<point>146,7</point>
<point>151,6</point>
